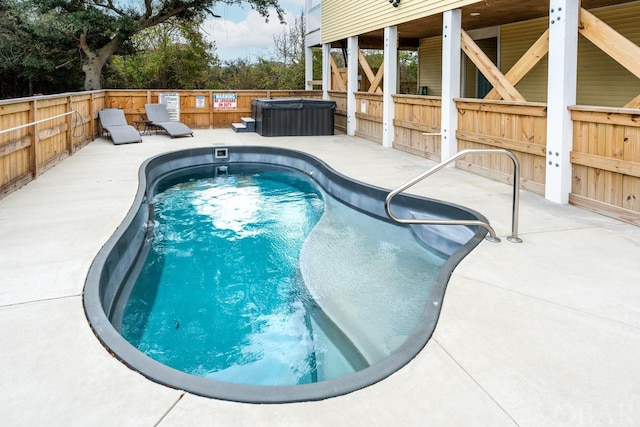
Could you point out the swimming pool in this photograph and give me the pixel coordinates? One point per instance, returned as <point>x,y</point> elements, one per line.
<point>116,268</point>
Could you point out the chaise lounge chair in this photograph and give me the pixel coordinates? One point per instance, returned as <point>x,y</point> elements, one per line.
<point>114,122</point>
<point>159,117</point>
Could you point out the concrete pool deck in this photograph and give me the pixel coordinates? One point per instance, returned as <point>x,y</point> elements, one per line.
<point>542,333</point>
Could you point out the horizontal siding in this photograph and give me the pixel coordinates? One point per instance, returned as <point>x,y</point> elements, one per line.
<point>601,80</point>
<point>342,19</point>
<point>515,40</point>
<point>430,68</point>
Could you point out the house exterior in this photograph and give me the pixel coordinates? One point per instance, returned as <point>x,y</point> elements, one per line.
<point>556,82</point>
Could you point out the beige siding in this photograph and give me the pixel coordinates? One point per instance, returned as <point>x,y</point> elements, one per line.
<point>601,80</point>
<point>430,57</point>
<point>515,40</point>
<point>342,19</point>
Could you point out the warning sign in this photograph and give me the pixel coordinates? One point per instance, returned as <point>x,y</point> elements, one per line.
<point>172,101</point>
<point>225,101</point>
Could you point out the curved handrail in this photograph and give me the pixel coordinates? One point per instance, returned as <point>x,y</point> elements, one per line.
<point>492,234</point>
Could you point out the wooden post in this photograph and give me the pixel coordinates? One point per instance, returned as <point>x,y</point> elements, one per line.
<point>92,117</point>
<point>209,99</point>
<point>563,66</point>
<point>451,40</point>
<point>352,83</point>
<point>389,85</point>
<point>70,130</point>
<point>33,152</point>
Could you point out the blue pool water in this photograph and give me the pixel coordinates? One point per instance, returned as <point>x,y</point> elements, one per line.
<point>260,278</point>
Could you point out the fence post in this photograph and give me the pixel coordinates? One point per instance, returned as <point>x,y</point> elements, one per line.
<point>92,118</point>
<point>33,152</point>
<point>70,146</point>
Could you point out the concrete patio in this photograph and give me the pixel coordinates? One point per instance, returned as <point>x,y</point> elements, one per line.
<point>543,333</point>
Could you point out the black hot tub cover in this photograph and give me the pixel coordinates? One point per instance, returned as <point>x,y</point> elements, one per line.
<point>292,103</point>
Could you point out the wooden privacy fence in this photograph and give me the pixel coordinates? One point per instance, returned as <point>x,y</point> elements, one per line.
<point>606,161</point>
<point>61,124</point>
<point>51,128</point>
<point>605,156</point>
<point>520,127</point>
<point>369,116</point>
<point>340,116</point>
<point>198,109</point>
<point>416,116</point>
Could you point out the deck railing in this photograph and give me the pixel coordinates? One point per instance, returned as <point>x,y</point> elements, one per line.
<point>417,121</point>
<point>520,127</point>
<point>606,161</point>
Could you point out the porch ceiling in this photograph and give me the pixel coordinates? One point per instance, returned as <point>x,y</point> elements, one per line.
<point>491,13</point>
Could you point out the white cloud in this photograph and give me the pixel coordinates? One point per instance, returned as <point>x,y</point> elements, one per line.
<point>245,39</point>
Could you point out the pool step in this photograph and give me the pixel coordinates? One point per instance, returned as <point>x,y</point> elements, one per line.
<point>248,125</point>
<point>238,127</point>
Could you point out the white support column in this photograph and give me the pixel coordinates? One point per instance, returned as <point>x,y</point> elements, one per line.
<point>561,93</point>
<point>308,68</point>
<point>326,70</point>
<point>389,84</point>
<point>352,83</point>
<point>451,53</point>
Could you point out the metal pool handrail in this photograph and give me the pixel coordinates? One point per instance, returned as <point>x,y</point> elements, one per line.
<point>492,234</point>
<point>39,121</point>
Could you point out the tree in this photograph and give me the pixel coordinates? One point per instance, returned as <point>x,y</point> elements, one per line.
<point>290,53</point>
<point>174,54</point>
<point>35,54</point>
<point>283,70</point>
<point>103,28</point>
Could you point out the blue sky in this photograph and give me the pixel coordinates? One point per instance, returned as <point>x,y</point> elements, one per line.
<point>242,33</point>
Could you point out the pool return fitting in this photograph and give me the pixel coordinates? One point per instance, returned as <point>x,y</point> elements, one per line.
<point>492,234</point>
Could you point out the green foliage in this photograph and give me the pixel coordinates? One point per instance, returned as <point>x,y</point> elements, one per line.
<point>285,70</point>
<point>408,71</point>
<point>174,54</point>
<point>102,28</point>
<point>36,55</point>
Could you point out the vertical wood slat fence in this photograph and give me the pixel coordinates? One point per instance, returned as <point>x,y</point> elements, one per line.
<point>28,152</point>
<point>605,156</point>
<point>606,161</point>
<point>205,116</point>
<point>415,116</point>
<point>340,116</point>
<point>520,127</point>
<point>369,108</point>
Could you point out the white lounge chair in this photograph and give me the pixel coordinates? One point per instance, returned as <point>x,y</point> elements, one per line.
<point>113,121</point>
<point>159,117</point>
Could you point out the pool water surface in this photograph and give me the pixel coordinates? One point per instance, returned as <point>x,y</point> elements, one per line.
<point>224,293</point>
<point>260,274</point>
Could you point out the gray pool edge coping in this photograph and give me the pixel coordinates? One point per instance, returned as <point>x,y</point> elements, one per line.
<point>157,372</point>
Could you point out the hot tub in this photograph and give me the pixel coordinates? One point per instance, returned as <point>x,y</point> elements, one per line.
<point>293,116</point>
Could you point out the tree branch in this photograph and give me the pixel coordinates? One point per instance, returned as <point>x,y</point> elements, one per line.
<point>110,6</point>
<point>83,42</point>
<point>148,9</point>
